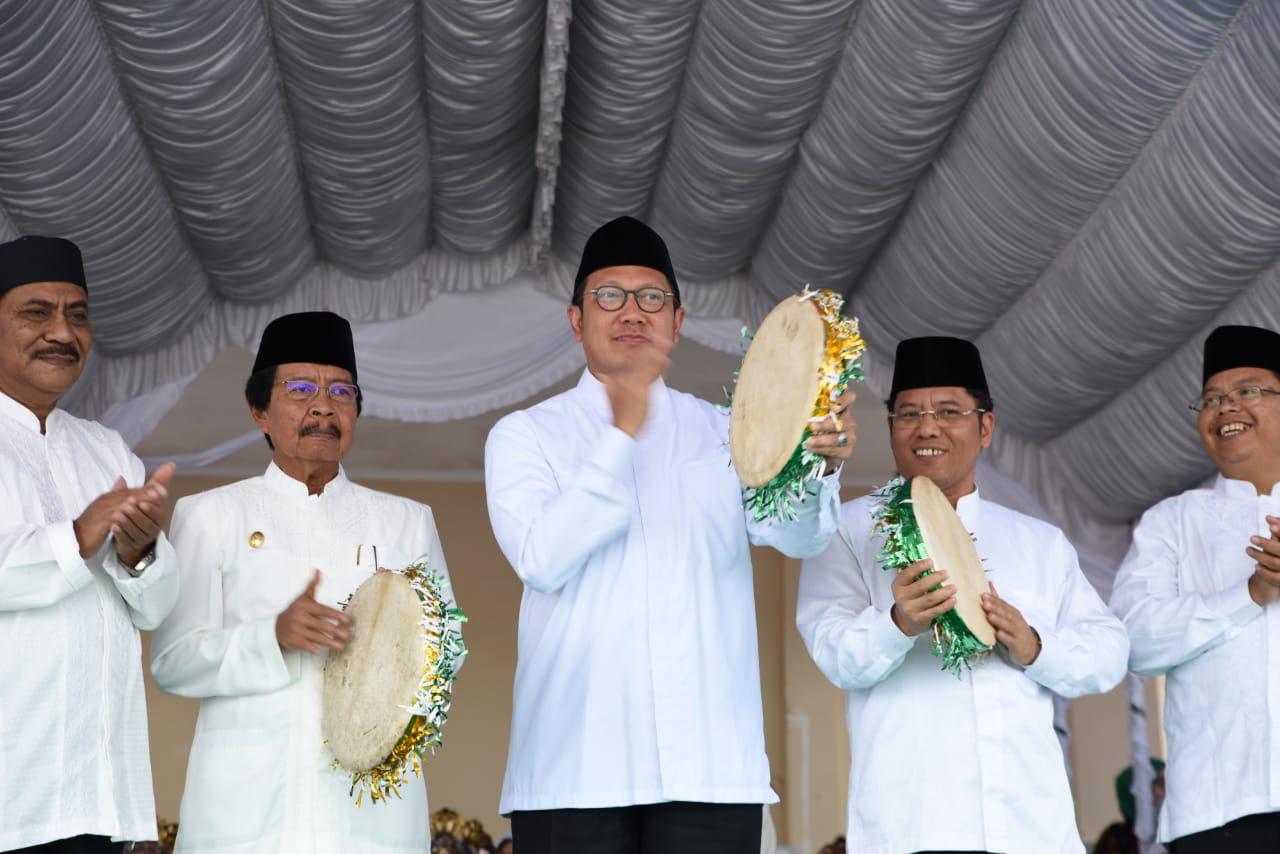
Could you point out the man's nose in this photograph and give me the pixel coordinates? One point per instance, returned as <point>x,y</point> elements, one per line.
<point>59,329</point>
<point>929,424</point>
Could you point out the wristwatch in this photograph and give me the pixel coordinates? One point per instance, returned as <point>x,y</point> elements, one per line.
<point>143,562</point>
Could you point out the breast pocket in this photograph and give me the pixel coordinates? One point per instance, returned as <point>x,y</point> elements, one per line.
<point>262,582</point>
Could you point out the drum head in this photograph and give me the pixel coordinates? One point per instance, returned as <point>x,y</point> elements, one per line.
<point>367,684</point>
<point>951,548</point>
<point>776,390</point>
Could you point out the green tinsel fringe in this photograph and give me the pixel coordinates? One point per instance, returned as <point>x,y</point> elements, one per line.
<point>953,641</point>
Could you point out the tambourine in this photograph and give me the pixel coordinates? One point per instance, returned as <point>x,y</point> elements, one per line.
<point>918,522</point>
<point>803,357</point>
<point>386,695</point>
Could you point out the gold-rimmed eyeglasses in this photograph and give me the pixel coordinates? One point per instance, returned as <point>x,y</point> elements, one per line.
<point>1246,396</point>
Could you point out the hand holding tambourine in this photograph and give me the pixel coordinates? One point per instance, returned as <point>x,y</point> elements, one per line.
<point>789,422</point>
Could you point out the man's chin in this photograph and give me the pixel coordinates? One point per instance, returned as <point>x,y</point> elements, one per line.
<point>54,377</point>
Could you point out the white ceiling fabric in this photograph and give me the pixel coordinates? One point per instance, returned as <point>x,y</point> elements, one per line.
<point>1082,188</point>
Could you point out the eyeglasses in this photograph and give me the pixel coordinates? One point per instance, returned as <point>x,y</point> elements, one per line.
<point>1248,396</point>
<point>612,298</point>
<point>345,393</point>
<point>910,419</point>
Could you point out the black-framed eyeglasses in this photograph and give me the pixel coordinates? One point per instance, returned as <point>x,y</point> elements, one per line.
<point>345,393</point>
<point>612,298</point>
<point>1246,396</point>
<point>909,419</point>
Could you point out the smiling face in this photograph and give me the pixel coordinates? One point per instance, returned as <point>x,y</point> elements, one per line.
<point>946,454</point>
<point>609,337</point>
<point>1243,440</point>
<point>44,341</point>
<point>308,435</point>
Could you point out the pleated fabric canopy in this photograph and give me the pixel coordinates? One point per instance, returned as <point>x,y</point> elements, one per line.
<point>1085,189</point>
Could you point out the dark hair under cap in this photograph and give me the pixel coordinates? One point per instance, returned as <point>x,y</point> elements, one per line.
<point>318,337</point>
<point>625,242</point>
<point>32,259</point>
<point>1230,347</point>
<point>937,360</point>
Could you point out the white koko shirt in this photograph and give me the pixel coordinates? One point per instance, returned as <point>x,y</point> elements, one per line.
<point>73,717</point>
<point>638,677</point>
<point>970,763</point>
<point>259,777</point>
<point>1183,594</point>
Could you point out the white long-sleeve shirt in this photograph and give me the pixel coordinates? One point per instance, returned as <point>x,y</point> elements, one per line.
<point>259,777</point>
<point>73,717</point>
<point>1183,594</point>
<point>638,678</point>
<point>970,763</point>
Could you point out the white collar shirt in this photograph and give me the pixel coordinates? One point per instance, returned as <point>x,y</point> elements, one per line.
<point>637,677</point>
<point>969,763</point>
<point>259,776</point>
<point>73,718</point>
<point>1183,594</point>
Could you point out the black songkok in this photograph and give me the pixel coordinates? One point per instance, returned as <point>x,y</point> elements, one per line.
<point>318,337</point>
<point>32,259</point>
<point>935,361</point>
<point>625,242</point>
<point>1230,347</point>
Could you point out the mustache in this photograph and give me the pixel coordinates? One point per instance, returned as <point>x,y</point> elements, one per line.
<point>57,350</point>
<point>322,429</point>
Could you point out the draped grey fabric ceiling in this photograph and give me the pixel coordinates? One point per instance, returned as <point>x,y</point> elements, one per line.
<point>1082,187</point>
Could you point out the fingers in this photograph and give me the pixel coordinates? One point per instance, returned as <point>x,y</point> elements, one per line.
<point>161,476</point>
<point>832,443</point>
<point>140,522</point>
<point>928,615</point>
<point>324,612</point>
<point>1001,614</point>
<point>1267,557</point>
<point>914,572</point>
<point>1267,575</point>
<point>310,592</point>
<point>328,635</point>
<point>119,485</point>
<point>927,597</point>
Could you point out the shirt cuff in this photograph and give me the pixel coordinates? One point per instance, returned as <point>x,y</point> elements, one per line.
<point>888,638</point>
<point>614,452</point>
<point>1048,662</point>
<point>66,551</point>
<point>1235,605</point>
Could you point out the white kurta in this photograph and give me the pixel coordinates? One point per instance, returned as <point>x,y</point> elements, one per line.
<point>73,718</point>
<point>259,777</point>
<point>970,763</point>
<point>1183,593</point>
<point>638,677</point>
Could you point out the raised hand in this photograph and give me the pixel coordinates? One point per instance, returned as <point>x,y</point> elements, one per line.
<point>1264,584</point>
<point>915,603</point>
<point>835,435</point>
<point>141,517</point>
<point>628,383</point>
<point>94,525</point>
<point>308,626</point>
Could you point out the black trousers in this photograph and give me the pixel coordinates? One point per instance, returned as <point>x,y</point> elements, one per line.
<point>1251,834</point>
<point>75,845</point>
<point>670,828</point>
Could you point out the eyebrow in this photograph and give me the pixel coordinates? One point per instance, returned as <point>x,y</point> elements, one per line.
<point>648,283</point>
<point>1249,380</point>
<point>944,402</point>
<point>36,302</point>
